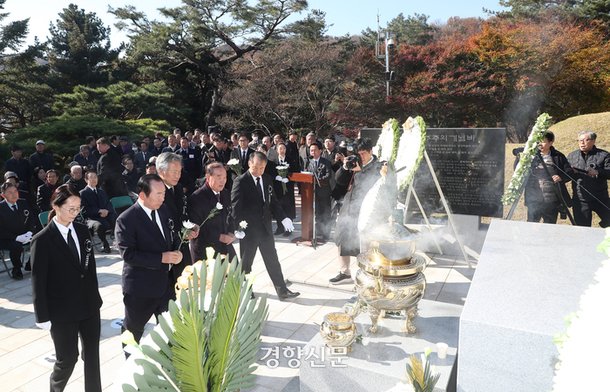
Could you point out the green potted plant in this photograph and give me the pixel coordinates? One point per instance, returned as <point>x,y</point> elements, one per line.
<point>209,338</point>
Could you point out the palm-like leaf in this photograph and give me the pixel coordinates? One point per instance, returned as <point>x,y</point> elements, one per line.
<point>208,340</point>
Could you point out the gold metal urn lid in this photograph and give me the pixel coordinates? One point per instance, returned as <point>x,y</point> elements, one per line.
<point>372,263</point>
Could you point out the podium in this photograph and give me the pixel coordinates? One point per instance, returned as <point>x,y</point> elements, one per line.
<point>306,203</point>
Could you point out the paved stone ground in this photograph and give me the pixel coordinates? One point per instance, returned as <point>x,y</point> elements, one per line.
<point>26,353</point>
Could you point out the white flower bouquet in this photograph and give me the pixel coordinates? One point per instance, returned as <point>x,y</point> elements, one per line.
<point>235,166</point>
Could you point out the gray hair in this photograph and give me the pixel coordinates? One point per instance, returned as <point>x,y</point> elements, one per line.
<point>589,134</point>
<point>165,158</point>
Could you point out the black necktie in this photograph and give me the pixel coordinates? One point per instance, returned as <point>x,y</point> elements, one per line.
<point>14,207</point>
<point>72,245</point>
<point>259,189</point>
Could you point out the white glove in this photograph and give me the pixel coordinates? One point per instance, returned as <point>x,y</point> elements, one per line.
<point>239,234</point>
<point>278,178</point>
<point>23,238</point>
<point>288,226</point>
<point>46,325</point>
<point>285,180</point>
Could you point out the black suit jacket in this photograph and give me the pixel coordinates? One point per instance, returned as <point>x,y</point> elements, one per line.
<point>200,203</point>
<point>323,175</point>
<point>236,154</point>
<point>141,245</point>
<point>93,203</point>
<point>64,288</point>
<point>248,206</point>
<point>14,223</point>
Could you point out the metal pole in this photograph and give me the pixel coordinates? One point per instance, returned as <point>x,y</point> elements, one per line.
<point>446,205</point>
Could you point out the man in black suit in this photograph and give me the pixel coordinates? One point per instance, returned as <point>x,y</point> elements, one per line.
<point>85,158</point>
<point>44,191</point>
<point>254,202</point>
<point>109,169</point>
<point>169,168</point>
<point>191,164</point>
<point>242,152</point>
<point>141,158</point>
<point>19,166</point>
<point>40,158</point>
<point>323,173</point>
<point>146,244</point>
<point>18,223</point>
<point>217,232</point>
<point>99,213</point>
<point>75,179</point>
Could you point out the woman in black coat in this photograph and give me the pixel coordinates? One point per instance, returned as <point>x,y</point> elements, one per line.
<point>65,290</point>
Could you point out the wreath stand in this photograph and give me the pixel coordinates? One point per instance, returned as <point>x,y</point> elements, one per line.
<point>411,191</point>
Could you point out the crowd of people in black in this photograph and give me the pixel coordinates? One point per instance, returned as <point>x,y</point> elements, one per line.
<point>217,183</point>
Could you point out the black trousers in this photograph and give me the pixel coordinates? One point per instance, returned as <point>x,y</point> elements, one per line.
<point>323,215</point>
<point>138,311</point>
<point>263,241</point>
<point>15,249</point>
<point>65,338</point>
<point>583,211</point>
<point>548,212</point>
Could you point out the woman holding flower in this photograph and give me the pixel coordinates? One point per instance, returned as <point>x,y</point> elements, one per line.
<point>209,207</point>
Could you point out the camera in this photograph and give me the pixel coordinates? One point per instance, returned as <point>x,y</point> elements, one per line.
<point>352,161</point>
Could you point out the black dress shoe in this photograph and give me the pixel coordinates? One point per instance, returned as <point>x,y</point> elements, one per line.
<point>28,266</point>
<point>17,274</point>
<point>280,231</point>
<point>252,296</point>
<point>284,294</point>
<point>106,249</point>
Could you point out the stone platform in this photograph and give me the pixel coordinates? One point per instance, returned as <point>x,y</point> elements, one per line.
<point>529,278</point>
<point>379,362</point>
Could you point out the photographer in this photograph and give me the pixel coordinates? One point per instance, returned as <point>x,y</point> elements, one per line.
<point>591,167</point>
<point>358,174</point>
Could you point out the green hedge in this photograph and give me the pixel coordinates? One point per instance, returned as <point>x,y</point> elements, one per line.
<point>63,135</point>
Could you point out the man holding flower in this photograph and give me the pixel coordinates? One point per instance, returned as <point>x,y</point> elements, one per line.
<point>210,207</point>
<point>169,168</point>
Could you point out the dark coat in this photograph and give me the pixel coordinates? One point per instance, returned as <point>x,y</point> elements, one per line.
<point>92,203</point>
<point>44,160</point>
<point>323,178</point>
<point>346,231</point>
<point>248,206</point>
<point>88,163</point>
<point>140,160</point>
<point>600,160</point>
<point>21,167</point>
<point>43,196</point>
<point>540,188</point>
<point>65,289</point>
<point>109,169</point>
<point>141,245</point>
<point>200,203</point>
<point>176,202</point>
<point>237,154</point>
<point>16,223</point>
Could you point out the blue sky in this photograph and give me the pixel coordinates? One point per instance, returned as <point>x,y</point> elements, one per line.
<point>345,16</point>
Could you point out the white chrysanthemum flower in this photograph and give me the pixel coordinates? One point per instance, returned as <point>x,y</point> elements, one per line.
<point>233,161</point>
<point>218,206</point>
<point>243,225</point>
<point>188,225</point>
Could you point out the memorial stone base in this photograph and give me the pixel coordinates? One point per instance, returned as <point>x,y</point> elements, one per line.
<point>529,278</point>
<point>379,362</point>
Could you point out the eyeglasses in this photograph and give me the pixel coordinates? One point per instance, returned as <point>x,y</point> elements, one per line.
<point>72,210</point>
